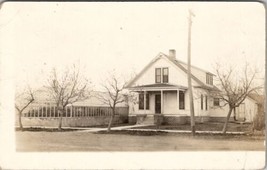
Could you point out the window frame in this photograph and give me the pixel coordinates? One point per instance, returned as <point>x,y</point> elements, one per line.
<point>181,103</point>
<point>201,101</point>
<point>156,76</point>
<point>209,79</point>
<point>141,104</point>
<point>141,99</point>
<point>206,102</point>
<point>163,76</point>
<point>217,104</point>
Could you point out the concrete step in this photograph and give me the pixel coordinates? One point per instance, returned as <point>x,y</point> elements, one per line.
<point>149,119</point>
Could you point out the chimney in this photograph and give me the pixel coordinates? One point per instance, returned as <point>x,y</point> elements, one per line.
<point>172,54</point>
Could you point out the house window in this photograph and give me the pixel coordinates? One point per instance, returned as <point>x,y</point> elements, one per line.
<point>158,75</point>
<point>162,75</point>
<point>181,100</point>
<point>201,102</point>
<point>206,102</point>
<point>165,75</point>
<point>216,102</point>
<point>141,101</point>
<point>209,79</point>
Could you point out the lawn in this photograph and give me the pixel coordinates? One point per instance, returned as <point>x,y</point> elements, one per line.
<point>122,141</point>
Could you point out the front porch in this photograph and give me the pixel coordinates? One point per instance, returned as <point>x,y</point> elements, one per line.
<point>160,99</point>
<point>158,102</point>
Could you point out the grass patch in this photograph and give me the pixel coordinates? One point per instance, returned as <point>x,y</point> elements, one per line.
<point>210,136</point>
<point>133,132</point>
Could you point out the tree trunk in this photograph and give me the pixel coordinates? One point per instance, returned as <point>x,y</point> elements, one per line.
<point>111,120</point>
<point>227,120</point>
<point>20,122</point>
<point>60,120</point>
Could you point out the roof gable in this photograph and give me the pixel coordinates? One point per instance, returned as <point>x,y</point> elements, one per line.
<point>144,69</point>
<point>176,63</point>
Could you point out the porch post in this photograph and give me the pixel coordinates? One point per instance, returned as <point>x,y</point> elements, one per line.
<point>161,96</point>
<point>145,101</point>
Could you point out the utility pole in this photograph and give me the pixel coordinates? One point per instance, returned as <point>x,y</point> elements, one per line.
<point>192,114</point>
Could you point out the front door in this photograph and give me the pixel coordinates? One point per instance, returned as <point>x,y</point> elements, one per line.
<point>157,103</point>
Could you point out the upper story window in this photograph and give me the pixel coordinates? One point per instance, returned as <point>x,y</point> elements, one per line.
<point>162,75</point>
<point>165,75</point>
<point>158,75</point>
<point>209,79</point>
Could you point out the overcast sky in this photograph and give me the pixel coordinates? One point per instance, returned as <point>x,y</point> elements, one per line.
<point>127,36</point>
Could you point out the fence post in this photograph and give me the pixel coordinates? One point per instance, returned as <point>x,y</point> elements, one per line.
<point>46,111</point>
<point>42,113</point>
<point>34,114</point>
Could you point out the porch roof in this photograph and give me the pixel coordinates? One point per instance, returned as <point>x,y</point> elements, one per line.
<point>158,86</point>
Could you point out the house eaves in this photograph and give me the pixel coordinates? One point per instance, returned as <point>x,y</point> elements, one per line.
<point>159,86</point>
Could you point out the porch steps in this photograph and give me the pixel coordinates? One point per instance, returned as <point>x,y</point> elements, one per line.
<point>146,120</point>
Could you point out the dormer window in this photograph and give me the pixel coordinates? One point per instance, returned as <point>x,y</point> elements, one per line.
<point>162,75</point>
<point>209,79</point>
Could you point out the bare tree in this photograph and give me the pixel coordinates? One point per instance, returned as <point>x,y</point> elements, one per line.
<point>67,88</point>
<point>113,94</point>
<point>235,87</point>
<point>22,100</point>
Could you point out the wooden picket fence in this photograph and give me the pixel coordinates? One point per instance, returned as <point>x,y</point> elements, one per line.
<point>74,111</point>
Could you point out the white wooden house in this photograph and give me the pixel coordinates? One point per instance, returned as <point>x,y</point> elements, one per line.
<point>162,90</point>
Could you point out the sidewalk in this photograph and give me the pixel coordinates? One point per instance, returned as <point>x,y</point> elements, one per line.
<point>113,128</point>
<point>155,130</point>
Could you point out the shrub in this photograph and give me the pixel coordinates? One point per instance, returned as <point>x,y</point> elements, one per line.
<point>259,121</point>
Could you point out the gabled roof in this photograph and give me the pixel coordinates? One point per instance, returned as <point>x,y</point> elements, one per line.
<point>184,63</point>
<point>175,62</point>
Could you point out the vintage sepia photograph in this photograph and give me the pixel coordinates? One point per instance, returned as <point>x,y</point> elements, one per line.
<point>153,85</point>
